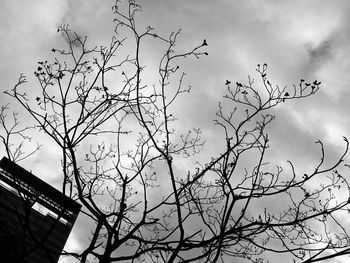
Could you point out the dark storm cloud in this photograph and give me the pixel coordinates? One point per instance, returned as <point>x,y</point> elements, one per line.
<point>321,53</point>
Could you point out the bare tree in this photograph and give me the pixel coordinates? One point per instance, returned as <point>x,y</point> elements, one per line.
<point>140,207</point>
<point>13,135</point>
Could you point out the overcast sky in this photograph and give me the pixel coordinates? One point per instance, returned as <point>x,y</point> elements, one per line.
<point>297,38</point>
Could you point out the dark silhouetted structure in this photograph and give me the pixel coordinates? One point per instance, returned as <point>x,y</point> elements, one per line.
<point>35,218</point>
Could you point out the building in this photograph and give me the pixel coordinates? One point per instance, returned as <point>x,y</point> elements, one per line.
<point>35,218</point>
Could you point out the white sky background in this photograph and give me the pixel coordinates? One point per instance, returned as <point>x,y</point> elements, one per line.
<point>307,39</point>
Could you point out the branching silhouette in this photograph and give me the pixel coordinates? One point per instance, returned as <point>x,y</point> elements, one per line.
<point>141,208</point>
<point>13,135</point>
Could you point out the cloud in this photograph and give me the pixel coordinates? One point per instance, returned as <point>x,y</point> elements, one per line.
<point>321,53</point>
<point>26,30</point>
<point>298,39</point>
<point>90,18</point>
